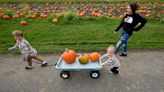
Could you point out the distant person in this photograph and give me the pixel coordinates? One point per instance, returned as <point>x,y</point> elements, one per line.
<point>26,49</point>
<point>131,22</point>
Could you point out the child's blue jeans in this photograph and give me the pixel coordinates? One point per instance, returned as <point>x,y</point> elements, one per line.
<point>123,41</point>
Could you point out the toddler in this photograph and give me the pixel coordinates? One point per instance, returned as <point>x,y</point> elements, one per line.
<point>26,49</point>
<point>112,61</point>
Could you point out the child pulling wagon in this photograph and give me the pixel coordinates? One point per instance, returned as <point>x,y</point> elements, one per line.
<point>26,49</point>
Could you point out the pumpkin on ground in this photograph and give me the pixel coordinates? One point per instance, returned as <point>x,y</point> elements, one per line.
<point>55,20</point>
<point>94,57</point>
<point>23,23</point>
<point>69,56</point>
<point>84,58</point>
<point>6,17</point>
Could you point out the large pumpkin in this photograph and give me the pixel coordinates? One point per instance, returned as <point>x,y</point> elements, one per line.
<point>84,58</point>
<point>94,56</point>
<point>69,56</point>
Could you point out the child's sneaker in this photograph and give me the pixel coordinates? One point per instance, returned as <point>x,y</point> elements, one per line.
<point>44,64</point>
<point>114,70</point>
<point>28,67</point>
<point>123,54</point>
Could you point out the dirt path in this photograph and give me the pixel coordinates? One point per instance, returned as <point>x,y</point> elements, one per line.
<point>140,72</point>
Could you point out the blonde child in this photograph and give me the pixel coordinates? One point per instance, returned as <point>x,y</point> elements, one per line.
<point>26,49</point>
<point>112,61</point>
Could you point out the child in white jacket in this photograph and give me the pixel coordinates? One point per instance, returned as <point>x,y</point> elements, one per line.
<point>112,61</point>
<point>26,49</point>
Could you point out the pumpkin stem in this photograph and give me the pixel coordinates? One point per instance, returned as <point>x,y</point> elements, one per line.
<point>66,49</point>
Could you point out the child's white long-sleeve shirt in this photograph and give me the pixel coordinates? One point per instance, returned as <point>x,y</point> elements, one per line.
<point>112,61</point>
<point>25,48</point>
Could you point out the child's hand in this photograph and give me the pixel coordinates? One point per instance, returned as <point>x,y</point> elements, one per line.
<point>10,48</point>
<point>115,32</point>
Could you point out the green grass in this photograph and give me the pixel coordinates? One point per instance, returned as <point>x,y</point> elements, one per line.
<point>70,1</point>
<point>81,35</point>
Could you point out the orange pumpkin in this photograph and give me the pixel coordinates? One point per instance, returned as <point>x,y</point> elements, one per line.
<point>121,17</point>
<point>94,13</point>
<point>81,14</point>
<point>6,17</point>
<point>55,20</point>
<point>84,58</point>
<point>34,16</point>
<point>23,23</point>
<point>28,16</point>
<point>94,56</point>
<point>44,16</point>
<point>21,14</point>
<point>1,14</point>
<point>15,16</point>
<point>69,56</point>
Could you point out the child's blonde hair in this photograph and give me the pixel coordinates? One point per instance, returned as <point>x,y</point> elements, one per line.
<point>17,33</point>
<point>111,49</point>
<point>111,46</point>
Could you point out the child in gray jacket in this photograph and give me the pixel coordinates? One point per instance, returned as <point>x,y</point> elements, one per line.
<point>26,49</point>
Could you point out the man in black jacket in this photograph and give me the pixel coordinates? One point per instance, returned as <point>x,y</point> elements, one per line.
<point>131,22</point>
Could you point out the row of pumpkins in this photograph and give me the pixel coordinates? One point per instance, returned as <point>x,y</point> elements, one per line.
<point>69,56</point>
<point>24,23</point>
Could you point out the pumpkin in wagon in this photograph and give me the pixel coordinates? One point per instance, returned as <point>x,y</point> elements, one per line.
<point>94,57</point>
<point>69,56</point>
<point>84,58</point>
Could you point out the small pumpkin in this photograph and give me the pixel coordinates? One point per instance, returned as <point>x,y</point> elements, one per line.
<point>55,20</point>
<point>69,56</point>
<point>34,16</point>
<point>23,23</point>
<point>1,14</point>
<point>121,17</point>
<point>21,14</point>
<point>6,17</point>
<point>15,16</point>
<point>27,16</point>
<point>84,58</point>
<point>94,57</point>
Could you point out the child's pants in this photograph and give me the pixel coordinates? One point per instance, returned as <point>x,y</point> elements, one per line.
<point>122,41</point>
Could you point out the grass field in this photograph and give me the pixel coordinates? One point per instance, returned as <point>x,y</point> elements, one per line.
<point>86,33</point>
<point>83,35</point>
<point>60,1</point>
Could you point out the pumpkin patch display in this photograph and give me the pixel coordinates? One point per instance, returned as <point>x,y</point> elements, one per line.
<point>69,56</point>
<point>94,57</point>
<point>23,23</point>
<point>84,58</point>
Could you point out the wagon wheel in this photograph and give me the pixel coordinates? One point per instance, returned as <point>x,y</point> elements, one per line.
<point>65,74</point>
<point>94,74</point>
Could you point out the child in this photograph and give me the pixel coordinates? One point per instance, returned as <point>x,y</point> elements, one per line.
<point>26,49</point>
<point>129,24</point>
<point>111,60</point>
